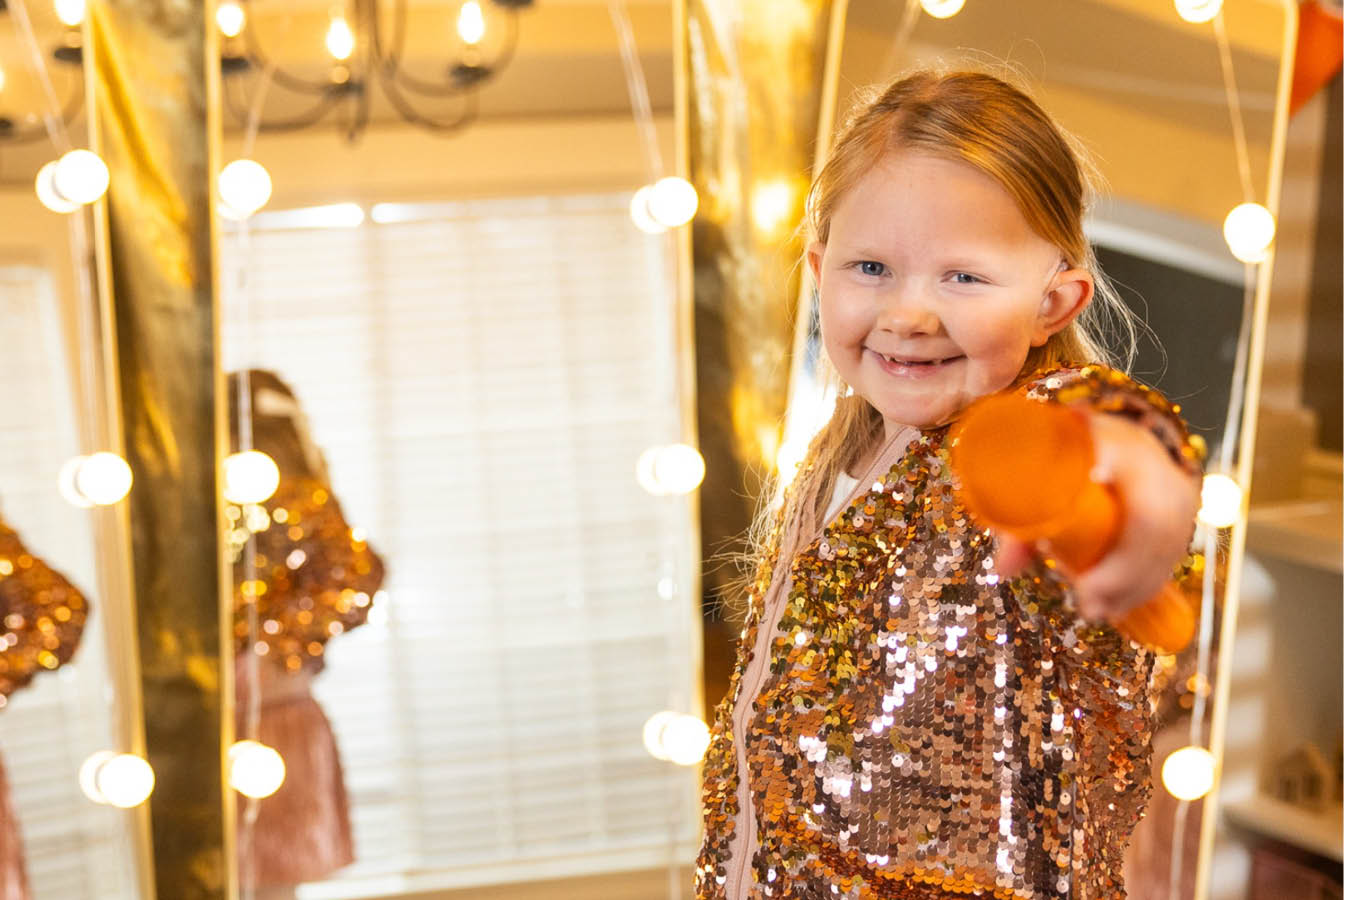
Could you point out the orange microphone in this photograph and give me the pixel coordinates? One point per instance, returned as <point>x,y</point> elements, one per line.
<point>1025,468</point>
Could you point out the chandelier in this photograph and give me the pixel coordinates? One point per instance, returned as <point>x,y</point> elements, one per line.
<point>359,64</point>
<point>368,63</point>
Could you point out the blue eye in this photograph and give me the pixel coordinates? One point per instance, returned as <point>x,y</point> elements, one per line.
<point>965,278</point>
<point>871,268</point>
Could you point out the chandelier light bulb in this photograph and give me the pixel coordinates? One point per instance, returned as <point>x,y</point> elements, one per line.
<point>65,483</point>
<point>652,731</point>
<point>1220,501</point>
<point>47,193</point>
<point>340,40</point>
<point>70,12</point>
<point>672,201</point>
<point>470,24</point>
<point>942,9</point>
<point>685,739</point>
<point>637,208</point>
<point>1188,773</point>
<point>103,478</point>
<point>116,779</point>
<point>230,18</point>
<point>250,477</point>
<point>1249,230</point>
<point>1198,10</point>
<point>256,770</point>
<point>80,176</point>
<point>244,188</point>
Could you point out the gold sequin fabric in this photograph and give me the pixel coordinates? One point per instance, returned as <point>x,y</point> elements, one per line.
<point>309,578</point>
<point>924,729</point>
<point>41,615</point>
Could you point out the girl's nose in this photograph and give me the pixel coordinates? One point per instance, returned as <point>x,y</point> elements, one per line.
<point>908,312</point>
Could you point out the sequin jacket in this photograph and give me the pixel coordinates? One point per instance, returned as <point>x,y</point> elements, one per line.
<point>924,729</point>
<point>41,615</point>
<point>310,577</point>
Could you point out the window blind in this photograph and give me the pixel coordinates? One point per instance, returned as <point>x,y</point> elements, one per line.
<point>74,849</point>
<point>482,377</point>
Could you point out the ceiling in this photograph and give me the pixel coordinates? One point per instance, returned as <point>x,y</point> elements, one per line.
<point>1133,53</point>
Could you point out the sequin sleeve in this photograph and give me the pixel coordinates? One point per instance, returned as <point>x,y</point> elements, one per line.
<point>1107,390</point>
<point>311,576</point>
<point>41,615</point>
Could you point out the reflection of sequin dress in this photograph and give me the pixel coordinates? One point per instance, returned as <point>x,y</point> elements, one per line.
<point>41,619</point>
<point>311,579</point>
<point>915,727</point>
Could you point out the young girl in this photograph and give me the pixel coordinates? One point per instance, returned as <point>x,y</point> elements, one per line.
<point>909,716</point>
<point>308,578</point>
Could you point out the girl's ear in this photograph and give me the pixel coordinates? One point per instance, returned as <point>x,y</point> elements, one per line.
<point>815,253</point>
<point>1068,294</point>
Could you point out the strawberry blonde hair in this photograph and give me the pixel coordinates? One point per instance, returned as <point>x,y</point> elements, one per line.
<point>986,122</point>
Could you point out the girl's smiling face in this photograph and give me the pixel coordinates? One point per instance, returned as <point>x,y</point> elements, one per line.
<point>933,288</point>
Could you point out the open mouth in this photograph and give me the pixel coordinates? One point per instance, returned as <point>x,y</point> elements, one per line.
<point>899,365</point>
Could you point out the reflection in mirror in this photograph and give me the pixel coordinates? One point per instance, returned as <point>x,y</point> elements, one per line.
<point>59,664</point>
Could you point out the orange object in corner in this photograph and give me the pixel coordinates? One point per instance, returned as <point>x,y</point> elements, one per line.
<point>1025,467</point>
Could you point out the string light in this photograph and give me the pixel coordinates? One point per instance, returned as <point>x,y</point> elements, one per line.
<point>670,469</point>
<point>1198,10</point>
<point>256,770</point>
<point>244,187</point>
<point>65,483</point>
<point>942,9</point>
<point>1220,501</point>
<point>676,737</point>
<point>103,478</point>
<point>642,217</point>
<point>230,18</point>
<point>70,12</point>
<point>340,40</point>
<point>47,193</point>
<point>770,204</point>
<point>470,24</point>
<point>250,477</point>
<point>1188,773</point>
<point>1249,230</point>
<point>672,201</point>
<point>116,779</point>
<point>80,176</point>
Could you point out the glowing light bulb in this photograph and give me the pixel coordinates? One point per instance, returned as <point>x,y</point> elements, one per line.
<point>70,12</point>
<point>1188,773</point>
<point>670,469</point>
<point>65,483</point>
<point>685,739</point>
<point>770,205</point>
<point>47,193</point>
<point>230,18</point>
<point>637,208</point>
<point>2,79</point>
<point>80,176</point>
<point>942,9</point>
<point>1220,501</point>
<point>340,41</point>
<point>470,24</point>
<point>256,770</point>
<point>250,477</point>
<point>103,478</point>
<point>244,187</point>
<point>1198,10</point>
<point>116,779</point>
<point>1249,230</point>
<point>672,201</point>
<point>651,733</point>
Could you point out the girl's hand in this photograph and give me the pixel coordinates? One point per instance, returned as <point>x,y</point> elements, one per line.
<point>1158,503</point>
